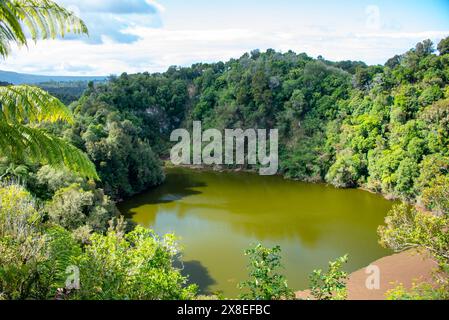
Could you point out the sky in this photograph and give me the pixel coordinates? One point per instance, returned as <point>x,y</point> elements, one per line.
<point>151,35</point>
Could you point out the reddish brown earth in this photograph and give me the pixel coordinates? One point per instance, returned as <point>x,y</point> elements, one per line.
<point>403,268</point>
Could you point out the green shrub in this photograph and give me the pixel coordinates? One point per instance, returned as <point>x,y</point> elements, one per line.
<point>330,285</point>
<point>136,266</point>
<point>265,282</point>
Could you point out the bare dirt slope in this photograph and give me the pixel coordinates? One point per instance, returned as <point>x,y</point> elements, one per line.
<point>407,268</point>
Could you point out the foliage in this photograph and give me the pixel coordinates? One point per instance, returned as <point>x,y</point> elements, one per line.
<point>47,180</point>
<point>66,91</point>
<point>407,228</point>
<point>443,46</point>
<point>138,266</point>
<point>43,19</point>
<point>34,258</point>
<point>73,207</point>
<point>346,123</point>
<point>330,285</point>
<point>61,250</point>
<point>37,245</point>
<point>436,195</point>
<point>25,107</point>
<point>22,243</point>
<point>13,171</point>
<point>420,291</point>
<point>384,128</point>
<point>125,160</point>
<point>265,282</point>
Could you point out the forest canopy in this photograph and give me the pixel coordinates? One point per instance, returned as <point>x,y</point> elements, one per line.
<point>383,128</point>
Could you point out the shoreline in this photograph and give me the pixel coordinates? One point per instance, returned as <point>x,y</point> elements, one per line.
<point>219,168</point>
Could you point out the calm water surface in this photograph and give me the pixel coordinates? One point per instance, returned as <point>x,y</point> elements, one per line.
<point>218,215</point>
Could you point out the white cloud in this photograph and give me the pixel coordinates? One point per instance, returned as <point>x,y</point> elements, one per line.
<point>157,5</point>
<point>108,19</point>
<point>158,48</point>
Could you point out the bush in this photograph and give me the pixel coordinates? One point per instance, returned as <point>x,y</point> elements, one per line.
<point>33,256</point>
<point>436,196</point>
<point>265,282</point>
<point>22,243</point>
<point>137,266</point>
<point>407,228</point>
<point>330,285</point>
<point>73,207</point>
<point>420,291</point>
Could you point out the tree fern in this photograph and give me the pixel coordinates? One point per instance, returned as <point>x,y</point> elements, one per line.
<point>31,105</point>
<point>19,141</point>
<point>22,108</point>
<point>43,19</point>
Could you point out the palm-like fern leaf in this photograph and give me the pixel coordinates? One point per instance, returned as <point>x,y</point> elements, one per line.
<point>31,105</point>
<point>19,141</point>
<point>44,19</point>
<point>23,107</point>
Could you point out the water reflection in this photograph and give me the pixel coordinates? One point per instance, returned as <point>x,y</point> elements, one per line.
<point>198,274</point>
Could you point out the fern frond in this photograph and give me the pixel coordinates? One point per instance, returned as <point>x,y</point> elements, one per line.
<point>18,141</point>
<point>10,28</point>
<point>27,104</point>
<point>44,19</point>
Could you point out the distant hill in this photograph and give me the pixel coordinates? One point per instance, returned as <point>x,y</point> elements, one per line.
<point>22,78</point>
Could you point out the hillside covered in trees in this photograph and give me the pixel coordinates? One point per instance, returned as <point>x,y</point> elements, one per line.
<point>384,128</point>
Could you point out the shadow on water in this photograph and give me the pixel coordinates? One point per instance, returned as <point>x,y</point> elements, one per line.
<point>176,187</point>
<point>198,274</point>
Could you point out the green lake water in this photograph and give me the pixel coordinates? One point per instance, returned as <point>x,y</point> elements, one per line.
<point>218,215</point>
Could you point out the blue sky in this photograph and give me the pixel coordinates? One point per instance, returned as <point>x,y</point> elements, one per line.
<point>145,35</point>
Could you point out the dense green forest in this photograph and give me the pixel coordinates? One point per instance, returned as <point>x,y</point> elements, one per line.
<point>383,128</point>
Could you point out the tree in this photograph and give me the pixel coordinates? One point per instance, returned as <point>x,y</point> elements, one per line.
<point>136,266</point>
<point>330,285</point>
<point>73,208</point>
<point>22,243</point>
<point>421,291</point>
<point>443,46</point>
<point>345,172</point>
<point>436,196</point>
<point>406,228</point>
<point>424,48</point>
<point>265,282</point>
<point>24,108</point>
